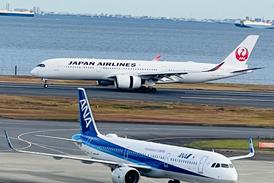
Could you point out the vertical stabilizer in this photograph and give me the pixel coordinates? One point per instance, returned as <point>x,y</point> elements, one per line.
<point>87,123</point>
<point>240,55</point>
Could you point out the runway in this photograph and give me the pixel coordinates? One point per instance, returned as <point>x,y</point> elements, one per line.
<point>33,169</point>
<point>208,97</point>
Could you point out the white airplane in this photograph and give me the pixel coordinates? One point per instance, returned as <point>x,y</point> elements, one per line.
<point>135,74</point>
<point>128,158</point>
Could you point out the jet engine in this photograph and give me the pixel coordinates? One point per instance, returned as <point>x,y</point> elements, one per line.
<point>125,175</point>
<point>105,82</point>
<point>128,82</point>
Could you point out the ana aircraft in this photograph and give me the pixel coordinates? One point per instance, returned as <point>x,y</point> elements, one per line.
<point>140,74</point>
<point>136,74</point>
<point>128,158</point>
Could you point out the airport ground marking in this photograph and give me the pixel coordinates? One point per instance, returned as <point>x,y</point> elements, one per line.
<point>224,98</point>
<point>42,146</point>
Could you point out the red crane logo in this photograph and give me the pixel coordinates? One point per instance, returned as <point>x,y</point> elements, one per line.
<point>241,54</point>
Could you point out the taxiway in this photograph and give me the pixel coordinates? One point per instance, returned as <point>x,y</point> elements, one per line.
<point>24,134</point>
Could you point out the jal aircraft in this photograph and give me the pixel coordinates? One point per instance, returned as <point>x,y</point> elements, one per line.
<point>129,159</point>
<point>136,74</point>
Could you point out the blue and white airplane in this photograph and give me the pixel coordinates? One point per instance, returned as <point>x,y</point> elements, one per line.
<point>129,159</point>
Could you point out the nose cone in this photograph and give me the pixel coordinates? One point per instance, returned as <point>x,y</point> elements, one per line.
<point>233,176</point>
<point>34,72</point>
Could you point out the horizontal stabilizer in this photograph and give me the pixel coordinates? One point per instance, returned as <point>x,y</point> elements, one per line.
<point>246,70</point>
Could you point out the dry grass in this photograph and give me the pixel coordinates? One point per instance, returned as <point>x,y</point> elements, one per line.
<point>56,108</point>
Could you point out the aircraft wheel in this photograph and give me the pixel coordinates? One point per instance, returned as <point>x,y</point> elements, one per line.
<point>153,89</point>
<point>176,181</point>
<point>143,88</point>
<point>147,89</point>
<point>170,181</point>
<point>45,81</point>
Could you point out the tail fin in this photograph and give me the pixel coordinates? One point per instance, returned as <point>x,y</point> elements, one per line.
<point>240,55</point>
<point>87,122</point>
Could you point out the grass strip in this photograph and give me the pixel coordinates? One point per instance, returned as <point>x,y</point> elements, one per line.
<point>237,144</point>
<point>65,108</point>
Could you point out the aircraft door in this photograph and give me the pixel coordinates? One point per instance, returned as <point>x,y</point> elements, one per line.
<point>166,162</point>
<point>126,154</point>
<point>202,164</point>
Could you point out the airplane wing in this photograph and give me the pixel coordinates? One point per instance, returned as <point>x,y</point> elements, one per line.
<point>79,158</point>
<point>249,155</point>
<point>159,76</point>
<point>60,138</point>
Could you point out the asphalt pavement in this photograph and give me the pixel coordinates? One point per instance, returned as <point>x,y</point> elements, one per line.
<point>23,168</point>
<point>208,97</point>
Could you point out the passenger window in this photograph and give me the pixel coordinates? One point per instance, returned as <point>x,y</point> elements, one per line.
<point>217,165</point>
<point>213,165</point>
<point>224,165</point>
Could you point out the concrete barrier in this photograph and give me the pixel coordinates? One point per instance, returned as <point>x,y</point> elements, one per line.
<point>266,145</point>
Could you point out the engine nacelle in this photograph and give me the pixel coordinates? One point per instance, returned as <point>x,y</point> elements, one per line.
<point>125,175</point>
<point>112,135</point>
<point>105,82</point>
<point>128,82</point>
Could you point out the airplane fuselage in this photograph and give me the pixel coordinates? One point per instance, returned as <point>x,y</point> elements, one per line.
<point>107,69</point>
<point>166,161</point>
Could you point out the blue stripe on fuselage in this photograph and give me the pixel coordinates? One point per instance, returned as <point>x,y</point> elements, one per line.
<point>134,157</point>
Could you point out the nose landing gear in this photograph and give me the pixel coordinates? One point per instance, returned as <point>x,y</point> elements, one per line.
<point>45,81</point>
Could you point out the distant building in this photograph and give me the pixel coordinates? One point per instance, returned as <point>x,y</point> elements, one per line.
<point>36,10</point>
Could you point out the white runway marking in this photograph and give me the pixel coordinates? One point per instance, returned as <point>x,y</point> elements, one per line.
<point>227,99</point>
<point>39,145</point>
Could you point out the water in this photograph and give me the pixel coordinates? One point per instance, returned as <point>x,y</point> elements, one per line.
<point>27,41</point>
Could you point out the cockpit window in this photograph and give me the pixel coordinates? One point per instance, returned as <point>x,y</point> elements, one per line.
<point>41,65</point>
<point>221,165</point>
<point>224,165</point>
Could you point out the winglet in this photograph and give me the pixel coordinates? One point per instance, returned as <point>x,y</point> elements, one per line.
<point>8,140</point>
<point>250,149</point>
<point>157,58</point>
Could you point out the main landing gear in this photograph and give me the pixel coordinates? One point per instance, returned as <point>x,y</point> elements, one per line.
<point>45,81</point>
<point>148,89</point>
<point>174,181</point>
